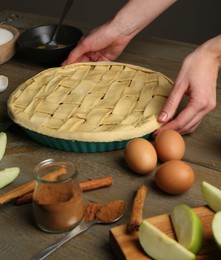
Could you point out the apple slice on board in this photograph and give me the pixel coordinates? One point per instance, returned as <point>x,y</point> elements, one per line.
<point>212,196</point>
<point>216,228</point>
<point>188,227</point>
<point>3,143</point>
<point>160,246</point>
<point>8,175</point>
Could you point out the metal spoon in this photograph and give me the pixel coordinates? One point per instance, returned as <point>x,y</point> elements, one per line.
<point>52,43</point>
<point>83,226</point>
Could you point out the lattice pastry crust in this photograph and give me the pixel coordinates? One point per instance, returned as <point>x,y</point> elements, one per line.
<point>91,102</point>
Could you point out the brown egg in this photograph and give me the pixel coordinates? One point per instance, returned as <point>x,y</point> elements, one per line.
<point>174,177</point>
<point>140,155</point>
<point>169,145</point>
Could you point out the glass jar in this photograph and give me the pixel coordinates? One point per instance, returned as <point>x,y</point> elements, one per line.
<point>57,200</point>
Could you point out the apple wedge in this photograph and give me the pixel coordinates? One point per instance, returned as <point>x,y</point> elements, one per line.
<point>216,228</point>
<point>8,175</point>
<point>160,246</point>
<point>188,227</point>
<point>3,143</point>
<point>212,196</point>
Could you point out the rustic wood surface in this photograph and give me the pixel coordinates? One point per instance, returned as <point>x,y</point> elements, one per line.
<point>20,238</point>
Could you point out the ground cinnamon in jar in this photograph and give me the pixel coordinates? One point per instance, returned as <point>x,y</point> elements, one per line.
<point>57,203</point>
<point>58,207</point>
<point>104,212</point>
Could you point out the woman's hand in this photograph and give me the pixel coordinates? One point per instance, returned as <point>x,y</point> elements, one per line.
<point>102,44</point>
<point>197,79</point>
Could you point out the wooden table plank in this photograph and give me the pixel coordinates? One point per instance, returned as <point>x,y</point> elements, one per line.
<point>20,238</point>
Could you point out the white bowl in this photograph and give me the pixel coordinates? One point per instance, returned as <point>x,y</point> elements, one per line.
<point>8,50</point>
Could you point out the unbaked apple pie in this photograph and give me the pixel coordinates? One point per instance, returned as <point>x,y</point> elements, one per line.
<point>91,102</point>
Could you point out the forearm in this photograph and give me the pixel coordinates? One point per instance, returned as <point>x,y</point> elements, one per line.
<point>137,14</point>
<point>212,47</point>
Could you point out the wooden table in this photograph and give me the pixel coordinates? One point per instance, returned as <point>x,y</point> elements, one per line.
<point>19,236</point>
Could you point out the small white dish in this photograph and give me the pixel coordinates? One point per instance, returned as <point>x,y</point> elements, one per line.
<point>3,83</point>
<point>8,49</point>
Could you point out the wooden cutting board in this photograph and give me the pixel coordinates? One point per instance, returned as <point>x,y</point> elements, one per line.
<point>127,246</point>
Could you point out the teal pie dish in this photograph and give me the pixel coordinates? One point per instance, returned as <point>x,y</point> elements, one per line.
<point>77,146</point>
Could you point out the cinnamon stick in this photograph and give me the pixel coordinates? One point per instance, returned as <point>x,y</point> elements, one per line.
<point>24,193</point>
<point>17,192</point>
<point>26,198</point>
<point>96,183</point>
<point>84,186</point>
<point>137,209</point>
<point>28,187</point>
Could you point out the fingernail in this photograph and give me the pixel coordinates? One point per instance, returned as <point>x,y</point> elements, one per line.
<point>163,117</point>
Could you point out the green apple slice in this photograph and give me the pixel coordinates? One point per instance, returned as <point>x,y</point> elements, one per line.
<point>216,228</point>
<point>8,175</point>
<point>188,227</point>
<point>212,196</point>
<point>3,143</point>
<point>160,246</point>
